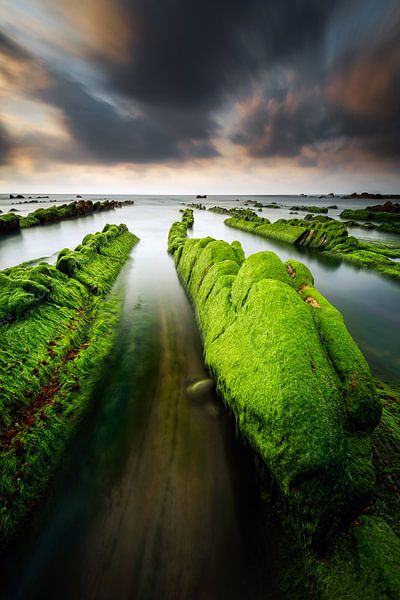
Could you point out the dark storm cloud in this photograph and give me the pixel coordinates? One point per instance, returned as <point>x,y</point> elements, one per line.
<point>187,55</point>
<point>112,137</point>
<point>353,102</point>
<point>314,67</point>
<point>281,127</point>
<point>185,61</point>
<point>305,119</point>
<point>100,132</point>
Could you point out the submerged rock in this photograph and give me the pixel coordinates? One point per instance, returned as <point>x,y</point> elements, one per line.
<point>200,388</point>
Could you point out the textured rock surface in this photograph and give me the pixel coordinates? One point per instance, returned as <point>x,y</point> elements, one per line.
<point>286,366</point>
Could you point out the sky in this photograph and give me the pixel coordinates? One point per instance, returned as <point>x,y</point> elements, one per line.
<point>190,96</point>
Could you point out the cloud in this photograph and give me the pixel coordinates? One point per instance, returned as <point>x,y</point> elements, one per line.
<point>181,63</point>
<point>11,49</point>
<point>149,82</point>
<point>19,69</point>
<point>99,132</point>
<point>354,104</point>
<point>112,137</point>
<point>192,57</point>
<point>100,28</point>
<point>19,73</point>
<point>282,127</point>
<point>6,146</point>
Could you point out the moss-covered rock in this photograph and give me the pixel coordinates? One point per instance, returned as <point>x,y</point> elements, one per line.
<point>311,209</point>
<point>286,366</point>
<point>325,234</point>
<point>369,214</point>
<point>41,216</point>
<point>56,329</point>
<point>9,223</point>
<point>364,563</point>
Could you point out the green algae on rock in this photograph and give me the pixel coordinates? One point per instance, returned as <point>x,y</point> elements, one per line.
<point>386,452</point>
<point>41,216</point>
<point>311,209</point>
<point>325,234</point>
<point>285,364</point>
<point>386,227</point>
<point>9,223</point>
<point>363,561</point>
<point>57,327</point>
<point>382,212</point>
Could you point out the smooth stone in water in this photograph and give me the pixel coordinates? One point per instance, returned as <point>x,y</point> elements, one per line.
<point>199,388</point>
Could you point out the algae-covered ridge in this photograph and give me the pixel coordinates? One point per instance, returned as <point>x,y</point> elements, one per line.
<point>388,214</point>
<point>12,222</point>
<point>375,213</point>
<point>284,362</point>
<point>324,234</point>
<point>363,561</point>
<point>56,327</point>
<point>303,397</point>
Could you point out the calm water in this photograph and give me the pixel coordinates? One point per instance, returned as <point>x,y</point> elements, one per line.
<point>158,498</point>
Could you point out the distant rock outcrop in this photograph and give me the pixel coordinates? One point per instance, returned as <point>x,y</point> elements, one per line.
<point>77,208</point>
<point>388,207</point>
<point>369,196</point>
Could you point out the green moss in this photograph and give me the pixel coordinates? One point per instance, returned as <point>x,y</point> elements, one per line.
<point>259,266</point>
<point>187,218</point>
<point>40,216</point>
<point>286,366</point>
<point>386,227</point>
<point>387,457</point>
<point>365,215</point>
<point>56,330</point>
<point>9,222</point>
<point>303,397</point>
<point>220,210</point>
<point>389,227</point>
<point>364,563</point>
<point>179,229</point>
<point>299,273</point>
<point>312,209</point>
<point>197,205</point>
<point>29,221</point>
<point>264,228</point>
<point>327,235</point>
<point>358,214</point>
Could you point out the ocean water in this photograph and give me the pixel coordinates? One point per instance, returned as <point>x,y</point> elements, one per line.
<point>157,497</point>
